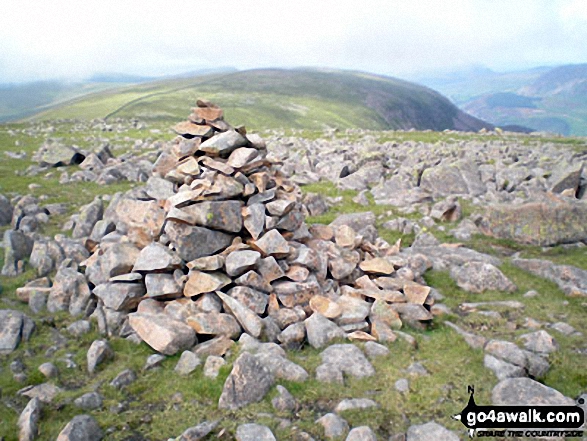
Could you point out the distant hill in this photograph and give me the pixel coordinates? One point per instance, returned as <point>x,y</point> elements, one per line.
<point>278,98</point>
<point>546,99</point>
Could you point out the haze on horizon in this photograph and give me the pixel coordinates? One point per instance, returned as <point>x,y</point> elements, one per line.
<point>66,39</point>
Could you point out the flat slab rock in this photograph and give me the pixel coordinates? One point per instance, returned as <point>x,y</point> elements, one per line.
<point>525,391</point>
<point>162,333</point>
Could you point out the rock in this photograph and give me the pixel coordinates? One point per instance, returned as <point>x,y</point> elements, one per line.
<point>117,260</point>
<point>120,296</point>
<point>566,176</point>
<point>479,277</point>
<point>377,265</point>
<point>248,382</point>
<point>349,359</point>
<point>5,210</point>
<point>241,157</point>
<point>537,223</point>
<point>473,340</point>
<point>362,433</point>
<point>540,341</point>
<point>81,428</point>
<point>11,327</point>
<point>200,282</point>
<point>162,285</point>
<point>430,431</point>
<point>272,243</point>
<point>375,350</point>
<point>188,362</point>
<point>213,365</point>
<point>70,291</point>
<point>213,323</point>
<point>162,333</point>
<point>87,218</point>
<point>198,432</point>
<point>79,328</point>
<point>325,306</point>
<point>17,246</point>
<point>355,404</point>
<point>28,421</point>
<point>284,401</point>
<point>503,369</point>
<point>321,331</point>
<point>254,219</point>
<point>123,379</point>
<point>154,361</point>
<point>99,352</point>
<point>255,300</point>
<point>571,280</point>
<point>45,392</point>
<point>57,155</point>
<point>49,370</point>
<point>282,368</point>
<point>223,144</point>
<point>221,215</point>
<point>357,221</point>
<point>254,432</point>
<point>334,426</point>
<point>250,321</point>
<point>402,385</point>
<point>525,391</point>
<point>217,346</point>
<point>141,220</point>
<point>89,401</point>
<point>239,262</point>
<point>448,210</point>
<point>194,242</point>
<point>156,257</point>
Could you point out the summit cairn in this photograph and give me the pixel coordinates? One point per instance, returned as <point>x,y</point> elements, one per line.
<point>215,245</point>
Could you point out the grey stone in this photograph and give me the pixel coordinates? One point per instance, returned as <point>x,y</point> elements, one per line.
<point>89,401</point>
<point>284,401</point>
<point>349,359</point>
<point>162,285</point>
<point>159,189</point>
<point>223,144</point>
<point>402,385</point>
<point>156,257</point>
<point>99,352</point>
<point>81,428</point>
<point>14,328</point>
<point>525,391</point>
<point>239,262</point>
<point>154,361</point>
<point>120,296</point>
<point>79,328</point>
<point>123,379</point>
<point>248,383</point>
<point>162,333</point>
<point>355,404</point>
<point>250,321</point>
<point>334,425</point>
<point>198,432</point>
<point>479,277</point>
<point>321,331</point>
<point>17,246</point>
<point>118,259</point>
<point>430,431</point>
<point>28,421</point>
<point>70,291</point>
<point>87,218</point>
<point>213,365</point>
<point>49,370</point>
<point>540,342</point>
<point>194,242</point>
<point>362,433</point>
<point>188,362</point>
<point>254,432</point>
<point>220,215</point>
<point>253,299</point>
<point>46,392</point>
<point>503,369</point>
<point>5,210</point>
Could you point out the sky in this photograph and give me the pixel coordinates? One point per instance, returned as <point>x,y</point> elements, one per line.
<point>73,39</point>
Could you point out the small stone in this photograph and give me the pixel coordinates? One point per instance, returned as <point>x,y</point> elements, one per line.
<point>540,341</point>
<point>28,421</point>
<point>49,370</point>
<point>188,362</point>
<point>377,265</point>
<point>374,350</point>
<point>248,382</point>
<point>326,373</point>
<point>200,282</point>
<point>99,352</point>
<point>123,379</point>
<point>254,432</point>
<point>334,426</point>
<point>325,306</point>
<point>430,431</point>
<point>81,428</point>
<point>153,361</point>
<point>250,321</point>
<point>213,365</point>
<point>89,401</point>
<point>272,243</point>
<point>362,433</point>
<point>239,262</point>
<point>198,432</point>
<point>284,401</point>
<point>321,331</point>
<point>355,404</point>
<point>402,385</point>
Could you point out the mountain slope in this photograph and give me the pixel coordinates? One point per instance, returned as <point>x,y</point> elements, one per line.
<point>276,98</point>
<point>546,99</point>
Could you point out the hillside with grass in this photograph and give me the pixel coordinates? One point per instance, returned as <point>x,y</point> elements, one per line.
<point>273,98</point>
<point>544,99</point>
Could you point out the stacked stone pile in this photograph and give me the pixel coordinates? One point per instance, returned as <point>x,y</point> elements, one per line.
<point>216,245</point>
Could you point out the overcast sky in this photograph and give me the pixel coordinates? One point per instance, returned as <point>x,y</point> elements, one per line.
<point>75,38</point>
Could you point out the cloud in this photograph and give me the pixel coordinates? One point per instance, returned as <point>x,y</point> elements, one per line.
<point>72,39</point>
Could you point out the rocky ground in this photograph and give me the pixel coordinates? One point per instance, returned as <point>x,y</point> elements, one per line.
<point>291,286</point>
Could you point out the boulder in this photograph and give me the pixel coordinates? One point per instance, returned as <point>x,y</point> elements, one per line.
<point>162,333</point>
<point>479,277</point>
<point>430,431</point>
<point>527,392</point>
<point>194,242</point>
<point>81,428</point>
